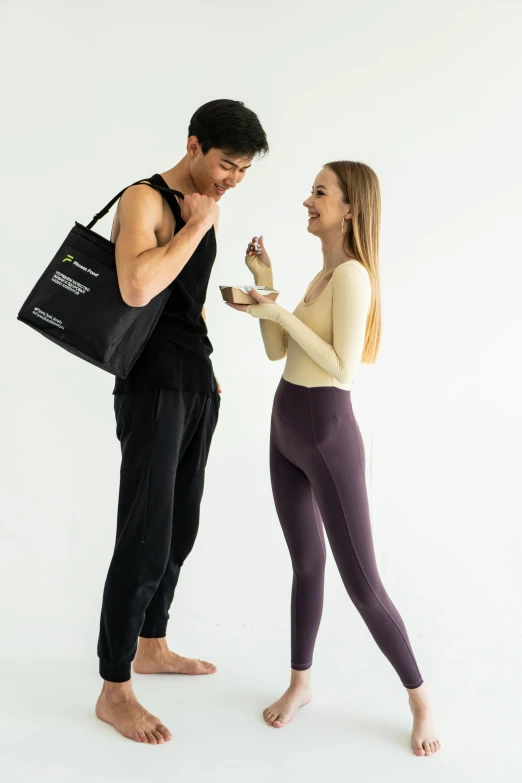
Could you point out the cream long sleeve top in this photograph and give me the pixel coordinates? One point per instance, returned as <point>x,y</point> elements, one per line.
<point>322,340</point>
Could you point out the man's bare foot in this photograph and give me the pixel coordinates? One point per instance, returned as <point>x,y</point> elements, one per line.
<point>298,695</point>
<point>424,740</point>
<point>154,657</point>
<point>119,706</point>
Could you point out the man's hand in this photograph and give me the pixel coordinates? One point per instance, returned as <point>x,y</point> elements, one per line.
<point>196,208</point>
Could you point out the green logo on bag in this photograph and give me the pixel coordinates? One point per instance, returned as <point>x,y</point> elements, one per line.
<point>69,258</point>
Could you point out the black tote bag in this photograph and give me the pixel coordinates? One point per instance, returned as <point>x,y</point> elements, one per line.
<point>77,303</point>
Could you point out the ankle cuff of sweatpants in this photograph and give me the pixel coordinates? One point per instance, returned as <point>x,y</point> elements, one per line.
<point>416,684</point>
<point>112,673</point>
<point>153,630</point>
<point>301,667</point>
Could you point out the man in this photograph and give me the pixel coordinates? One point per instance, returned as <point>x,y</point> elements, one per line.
<point>167,408</point>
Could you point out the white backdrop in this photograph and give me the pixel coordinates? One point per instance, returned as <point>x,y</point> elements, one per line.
<point>97,95</point>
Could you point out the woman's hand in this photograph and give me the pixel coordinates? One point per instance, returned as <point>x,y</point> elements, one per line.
<point>254,293</point>
<point>257,260</point>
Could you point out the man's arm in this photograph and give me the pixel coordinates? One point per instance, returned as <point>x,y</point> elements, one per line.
<point>143,268</point>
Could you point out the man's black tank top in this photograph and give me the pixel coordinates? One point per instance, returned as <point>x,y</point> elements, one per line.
<point>177,354</point>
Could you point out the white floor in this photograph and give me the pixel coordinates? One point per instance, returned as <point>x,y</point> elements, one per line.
<point>356,729</point>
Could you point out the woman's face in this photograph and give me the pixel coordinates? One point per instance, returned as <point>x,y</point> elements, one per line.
<point>325,206</point>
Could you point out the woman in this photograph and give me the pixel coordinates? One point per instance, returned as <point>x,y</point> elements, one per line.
<point>316,450</point>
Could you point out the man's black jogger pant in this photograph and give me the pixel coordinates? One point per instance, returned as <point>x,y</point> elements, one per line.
<point>165,437</point>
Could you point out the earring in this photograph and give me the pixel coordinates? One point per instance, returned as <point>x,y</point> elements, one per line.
<point>342,227</point>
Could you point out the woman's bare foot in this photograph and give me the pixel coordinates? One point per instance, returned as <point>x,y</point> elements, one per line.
<point>119,706</point>
<point>424,740</point>
<point>154,657</point>
<point>298,695</point>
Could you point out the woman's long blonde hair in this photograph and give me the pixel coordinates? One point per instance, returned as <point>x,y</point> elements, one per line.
<point>360,189</point>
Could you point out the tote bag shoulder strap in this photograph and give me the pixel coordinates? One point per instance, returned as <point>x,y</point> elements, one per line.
<point>111,203</point>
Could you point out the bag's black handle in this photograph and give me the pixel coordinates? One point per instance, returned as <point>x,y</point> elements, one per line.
<point>111,203</point>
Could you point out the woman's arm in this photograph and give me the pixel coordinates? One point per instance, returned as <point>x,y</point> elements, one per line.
<point>351,303</point>
<point>275,338</point>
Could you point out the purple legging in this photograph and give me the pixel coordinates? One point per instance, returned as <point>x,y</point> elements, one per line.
<point>317,472</point>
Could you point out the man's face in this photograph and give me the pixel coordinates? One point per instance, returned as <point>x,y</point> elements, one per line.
<point>216,172</point>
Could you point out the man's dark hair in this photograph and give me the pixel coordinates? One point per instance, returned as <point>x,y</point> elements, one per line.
<point>229,126</point>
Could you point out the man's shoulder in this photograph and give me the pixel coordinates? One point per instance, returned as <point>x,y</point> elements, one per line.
<point>140,201</point>
<point>141,193</point>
